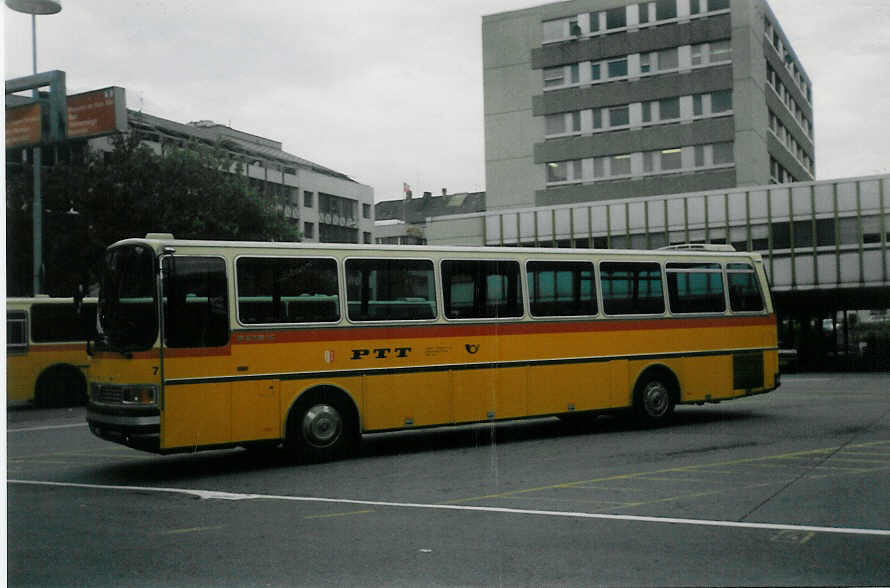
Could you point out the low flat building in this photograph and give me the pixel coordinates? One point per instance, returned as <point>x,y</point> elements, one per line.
<point>405,222</point>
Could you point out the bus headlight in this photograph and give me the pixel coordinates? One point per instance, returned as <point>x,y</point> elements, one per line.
<point>140,394</point>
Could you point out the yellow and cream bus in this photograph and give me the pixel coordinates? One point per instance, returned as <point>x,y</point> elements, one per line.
<point>46,351</point>
<point>314,345</point>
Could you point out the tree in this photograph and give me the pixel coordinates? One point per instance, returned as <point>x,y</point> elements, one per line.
<point>195,192</point>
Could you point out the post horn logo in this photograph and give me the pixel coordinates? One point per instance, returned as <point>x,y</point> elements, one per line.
<point>471,348</point>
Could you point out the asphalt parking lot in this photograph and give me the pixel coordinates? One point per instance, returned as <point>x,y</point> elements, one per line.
<point>787,488</point>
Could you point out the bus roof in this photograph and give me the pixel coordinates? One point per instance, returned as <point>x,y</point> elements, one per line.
<point>159,241</point>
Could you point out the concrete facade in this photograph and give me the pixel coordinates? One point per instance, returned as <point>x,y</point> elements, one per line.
<point>588,100</point>
<point>327,205</point>
<point>816,237</point>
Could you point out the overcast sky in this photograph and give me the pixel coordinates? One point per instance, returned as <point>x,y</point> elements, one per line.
<point>390,91</point>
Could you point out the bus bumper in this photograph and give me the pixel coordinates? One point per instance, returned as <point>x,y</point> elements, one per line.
<point>140,430</point>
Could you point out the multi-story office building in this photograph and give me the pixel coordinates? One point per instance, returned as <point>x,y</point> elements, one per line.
<point>588,100</point>
<point>328,205</point>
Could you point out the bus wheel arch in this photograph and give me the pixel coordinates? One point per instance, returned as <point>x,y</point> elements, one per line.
<point>60,385</point>
<point>655,394</point>
<point>322,425</point>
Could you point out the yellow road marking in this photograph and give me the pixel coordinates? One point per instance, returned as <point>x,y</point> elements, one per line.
<point>636,475</point>
<point>859,460</point>
<point>679,479</point>
<point>338,514</point>
<point>191,530</point>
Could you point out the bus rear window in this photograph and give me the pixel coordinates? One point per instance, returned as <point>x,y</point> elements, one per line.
<point>390,289</point>
<point>481,289</point>
<point>287,290</point>
<point>632,287</point>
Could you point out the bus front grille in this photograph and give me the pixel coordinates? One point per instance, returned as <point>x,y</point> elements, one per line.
<point>106,393</point>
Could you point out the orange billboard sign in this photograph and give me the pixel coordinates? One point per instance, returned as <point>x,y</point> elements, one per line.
<point>99,112</point>
<point>95,113</point>
<point>23,125</point>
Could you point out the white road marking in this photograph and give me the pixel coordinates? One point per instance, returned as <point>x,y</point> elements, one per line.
<point>46,428</point>
<point>213,494</point>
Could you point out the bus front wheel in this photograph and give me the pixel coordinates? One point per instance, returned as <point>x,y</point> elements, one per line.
<point>654,399</point>
<point>321,427</point>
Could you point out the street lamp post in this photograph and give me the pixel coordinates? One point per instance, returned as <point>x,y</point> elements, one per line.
<point>35,7</point>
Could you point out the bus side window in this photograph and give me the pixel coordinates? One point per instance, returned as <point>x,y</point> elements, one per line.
<point>561,288</point>
<point>631,287</point>
<point>744,290</point>
<point>481,289</point>
<point>390,289</point>
<point>274,290</point>
<point>16,331</point>
<point>695,287</point>
<point>196,308</point>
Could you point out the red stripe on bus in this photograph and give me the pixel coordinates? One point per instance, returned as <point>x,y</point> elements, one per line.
<point>353,333</point>
<point>476,330</point>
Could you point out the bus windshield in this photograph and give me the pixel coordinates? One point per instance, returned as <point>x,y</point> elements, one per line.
<point>127,309</point>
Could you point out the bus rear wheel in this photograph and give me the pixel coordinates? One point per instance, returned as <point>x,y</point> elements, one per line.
<point>321,427</point>
<point>59,387</point>
<point>654,399</point>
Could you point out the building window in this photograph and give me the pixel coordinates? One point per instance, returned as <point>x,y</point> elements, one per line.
<point>553,30</point>
<point>308,198</point>
<point>697,105</point>
<point>671,159</point>
<point>694,6</point>
<point>723,153</point>
<point>669,108</point>
<point>718,5</point>
<point>554,76</point>
<point>699,156</point>
<point>648,162</point>
<point>721,101</point>
<point>644,13</point>
<point>599,167</point>
<point>594,22</point>
<point>618,69</point>
<point>645,66</point>
<point>557,172</point>
<point>555,124</point>
<point>595,72</point>
<point>620,165</point>
<point>619,116</point>
<point>597,118</point>
<point>366,211</point>
<point>647,112</point>
<point>667,59</point>
<point>720,51</point>
<point>665,9</point>
<point>367,237</point>
<point>616,18</point>
<point>574,73</point>
<point>309,230</point>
